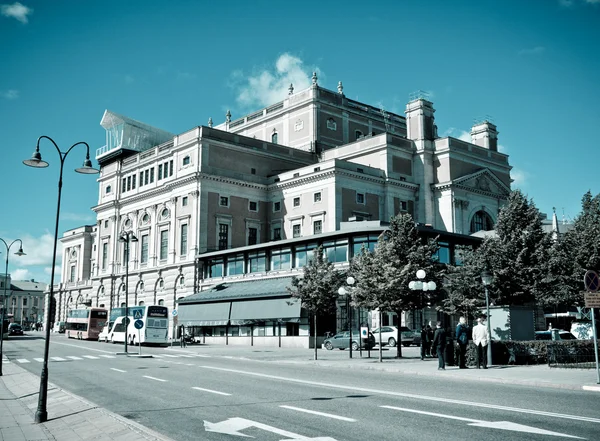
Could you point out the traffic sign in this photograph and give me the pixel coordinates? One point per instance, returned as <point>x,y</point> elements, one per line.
<point>137,314</point>
<point>591,281</point>
<point>174,313</point>
<point>592,299</point>
<point>139,324</point>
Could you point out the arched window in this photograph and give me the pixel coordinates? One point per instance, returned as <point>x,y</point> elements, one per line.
<point>481,222</point>
<point>161,302</point>
<point>141,303</point>
<point>274,138</point>
<point>182,281</point>
<point>123,305</point>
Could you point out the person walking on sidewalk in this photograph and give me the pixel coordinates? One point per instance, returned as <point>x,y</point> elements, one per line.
<point>462,339</point>
<point>481,338</point>
<point>439,342</point>
<point>425,343</point>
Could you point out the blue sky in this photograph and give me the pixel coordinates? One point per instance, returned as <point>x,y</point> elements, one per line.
<point>532,66</point>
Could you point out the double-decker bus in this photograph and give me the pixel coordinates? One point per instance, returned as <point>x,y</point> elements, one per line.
<point>85,324</point>
<point>155,329</point>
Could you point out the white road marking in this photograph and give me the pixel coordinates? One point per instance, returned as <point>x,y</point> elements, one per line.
<point>592,388</point>
<point>157,356</point>
<point>84,348</point>
<point>58,359</point>
<point>153,378</point>
<point>407,395</point>
<point>187,356</point>
<point>203,355</point>
<point>501,425</point>
<point>211,391</point>
<point>22,360</point>
<point>72,357</point>
<point>314,412</point>
<point>118,370</point>
<point>91,357</point>
<point>170,356</point>
<point>107,356</point>
<point>41,360</point>
<point>232,426</point>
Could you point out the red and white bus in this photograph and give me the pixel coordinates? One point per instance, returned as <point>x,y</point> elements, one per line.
<point>85,324</point>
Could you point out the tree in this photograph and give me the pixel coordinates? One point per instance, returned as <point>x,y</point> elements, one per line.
<point>383,277</point>
<point>317,288</point>
<point>465,291</point>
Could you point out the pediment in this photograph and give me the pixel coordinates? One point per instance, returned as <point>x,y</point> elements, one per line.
<point>482,181</point>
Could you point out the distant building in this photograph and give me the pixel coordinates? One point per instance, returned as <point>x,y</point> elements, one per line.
<point>292,172</point>
<point>24,300</point>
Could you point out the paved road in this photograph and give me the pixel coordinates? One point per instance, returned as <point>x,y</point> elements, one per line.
<point>201,394</point>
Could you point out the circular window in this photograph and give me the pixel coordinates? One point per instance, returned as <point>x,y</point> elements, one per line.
<point>165,213</point>
<point>145,218</point>
<point>127,223</point>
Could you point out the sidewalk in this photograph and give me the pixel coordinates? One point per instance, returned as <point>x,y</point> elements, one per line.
<point>71,418</point>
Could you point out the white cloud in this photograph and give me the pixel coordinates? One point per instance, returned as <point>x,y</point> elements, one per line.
<point>81,217</point>
<point>593,2</point>
<point>502,149</point>
<point>463,135</point>
<point>10,94</point>
<point>520,178</point>
<point>16,10</point>
<point>20,274</point>
<point>38,250</point>
<point>268,86</point>
<point>533,50</point>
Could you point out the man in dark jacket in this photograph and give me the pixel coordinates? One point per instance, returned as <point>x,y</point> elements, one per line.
<point>425,343</point>
<point>439,342</point>
<point>462,340</point>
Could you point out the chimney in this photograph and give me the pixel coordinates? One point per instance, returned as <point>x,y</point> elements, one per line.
<point>484,134</point>
<point>420,120</point>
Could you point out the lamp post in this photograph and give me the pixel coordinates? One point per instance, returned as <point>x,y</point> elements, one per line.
<point>346,292</point>
<point>127,237</point>
<point>18,253</point>
<point>487,278</point>
<point>420,285</point>
<point>41,415</point>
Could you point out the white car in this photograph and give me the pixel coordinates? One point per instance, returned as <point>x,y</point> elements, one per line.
<point>105,333</point>
<point>389,336</point>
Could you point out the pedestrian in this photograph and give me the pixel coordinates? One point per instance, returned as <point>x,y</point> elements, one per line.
<point>462,339</point>
<point>182,342</point>
<point>481,338</point>
<point>430,338</point>
<point>439,342</point>
<point>425,343</point>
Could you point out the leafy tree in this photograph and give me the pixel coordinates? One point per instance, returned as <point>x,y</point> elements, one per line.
<point>465,291</point>
<point>318,288</point>
<point>383,277</point>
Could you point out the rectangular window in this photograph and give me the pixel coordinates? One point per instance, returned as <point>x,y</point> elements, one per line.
<point>184,201</point>
<point>144,256</point>
<point>166,170</point>
<point>224,201</point>
<point>276,233</point>
<point>296,230</point>
<point>171,168</point>
<point>164,244</point>
<point>303,254</point>
<point>159,177</point>
<point>141,179</point>
<point>336,251</point>
<point>403,205</point>
<point>253,206</point>
<point>124,185</point>
<point>105,224</point>
<point>133,182</point>
<point>296,202</point>
<point>146,177</point>
<point>281,259</point>
<point>443,253</point>
<point>317,227</point>
<point>277,206</point>
<point>128,183</point>
<point>152,175</point>
<point>183,247</point>
<point>235,265</point>
<point>360,198</point>
<point>223,236</point>
<point>257,262</point>
<point>24,301</point>
<point>369,243</point>
<point>317,197</point>
<point>72,276</point>
<point>252,236</point>
<point>104,255</point>
<point>296,175</point>
<point>215,268</point>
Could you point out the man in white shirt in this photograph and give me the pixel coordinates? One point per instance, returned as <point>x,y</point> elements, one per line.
<point>481,338</point>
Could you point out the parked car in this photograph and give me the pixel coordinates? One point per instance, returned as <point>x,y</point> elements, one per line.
<point>342,341</point>
<point>554,334</point>
<point>15,329</point>
<point>105,333</point>
<point>59,327</point>
<point>389,336</point>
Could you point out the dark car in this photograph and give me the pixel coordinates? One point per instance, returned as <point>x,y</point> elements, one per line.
<point>342,341</point>
<point>15,329</point>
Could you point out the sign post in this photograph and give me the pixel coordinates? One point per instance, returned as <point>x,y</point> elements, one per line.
<point>591,280</point>
<point>174,314</point>
<point>139,324</point>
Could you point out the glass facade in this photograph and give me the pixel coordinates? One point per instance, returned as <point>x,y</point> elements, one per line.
<point>336,250</point>
<point>281,259</point>
<point>257,262</point>
<point>303,253</point>
<point>235,265</point>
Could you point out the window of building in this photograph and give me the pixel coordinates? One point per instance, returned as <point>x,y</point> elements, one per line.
<point>277,233</point>
<point>144,252</point>
<point>224,201</point>
<point>277,206</point>
<point>146,177</point>
<point>281,259</point>
<point>141,303</point>
<point>235,264</point>
<point>133,182</point>
<point>296,175</point>
<point>296,231</point>
<point>331,124</point>
<point>72,276</point>
<point>108,189</point>
<point>184,201</point>
<point>296,202</point>
<point>124,185</point>
<point>302,254</point>
<point>141,179</point>
<point>171,168</point>
<point>360,198</point>
<point>164,244</point>
<point>183,242</point>
<point>317,197</point>
<point>317,227</point>
<point>403,206</point>
<point>128,183</point>
<point>106,224</point>
<point>253,171</point>
<point>145,218</point>
<point>252,236</point>
<point>215,268</point>
<point>24,301</point>
<point>161,302</point>
<point>253,206</point>
<point>336,250</point>
<point>104,255</point>
<point>369,242</point>
<point>223,236</point>
<point>317,169</point>
<point>358,134</point>
<point>164,214</point>
<point>160,172</point>
<point>360,170</point>
<point>274,138</point>
<point>481,222</point>
<point>186,160</point>
<point>257,262</point>
<point>152,175</point>
<point>443,253</point>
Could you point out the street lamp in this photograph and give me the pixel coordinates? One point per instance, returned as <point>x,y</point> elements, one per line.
<point>18,253</point>
<point>41,415</point>
<point>346,292</point>
<point>487,279</point>
<point>420,285</point>
<point>127,237</point>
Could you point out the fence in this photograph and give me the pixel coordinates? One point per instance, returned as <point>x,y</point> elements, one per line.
<point>574,357</point>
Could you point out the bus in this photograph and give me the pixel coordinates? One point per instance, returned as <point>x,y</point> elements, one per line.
<point>155,329</point>
<point>85,324</point>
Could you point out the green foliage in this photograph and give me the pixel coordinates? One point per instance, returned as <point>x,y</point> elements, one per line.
<point>464,289</point>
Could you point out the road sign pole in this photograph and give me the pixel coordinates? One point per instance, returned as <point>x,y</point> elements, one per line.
<point>595,346</point>
<point>139,340</point>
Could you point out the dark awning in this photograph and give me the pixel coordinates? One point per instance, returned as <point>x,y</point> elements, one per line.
<point>285,310</point>
<point>204,314</point>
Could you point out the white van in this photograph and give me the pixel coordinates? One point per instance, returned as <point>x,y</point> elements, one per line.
<point>105,333</point>
<point>117,331</point>
<point>582,330</point>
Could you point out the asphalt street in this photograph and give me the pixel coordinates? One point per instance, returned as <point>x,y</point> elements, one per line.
<point>216,394</point>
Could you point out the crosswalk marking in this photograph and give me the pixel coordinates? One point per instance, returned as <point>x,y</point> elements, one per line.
<point>22,360</point>
<point>58,359</point>
<point>74,358</point>
<point>91,357</point>
<point>107,356</point>
<point>41,360</point>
